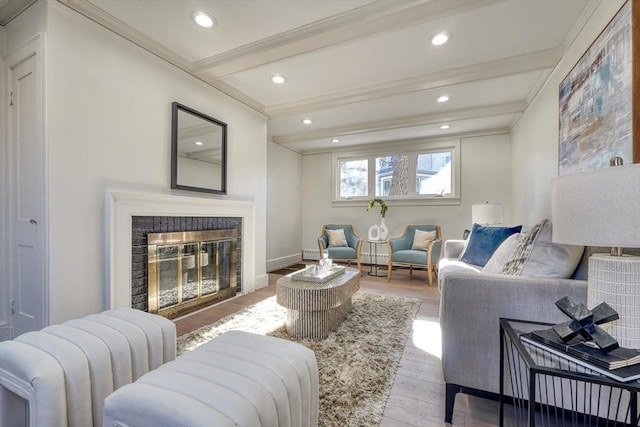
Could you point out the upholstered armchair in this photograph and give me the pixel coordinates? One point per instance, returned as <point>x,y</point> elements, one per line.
<point>339,246</point>
<point>421,251</point>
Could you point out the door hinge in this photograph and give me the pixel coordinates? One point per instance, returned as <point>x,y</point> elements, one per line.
<point>13,307</point>
<point>11,99</point>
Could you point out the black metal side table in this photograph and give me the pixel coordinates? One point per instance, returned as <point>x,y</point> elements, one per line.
<point>546,389</point>
<point>373,249</point>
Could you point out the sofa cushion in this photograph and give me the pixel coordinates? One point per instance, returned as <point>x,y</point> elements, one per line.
<point>410,256</point>
<point>422,240</point>
<point>502,254</point>
<point>337,237</point>
<point>537,256</point>
<point>342,252</point>
<point>447,266</point>
<point>484,241</point>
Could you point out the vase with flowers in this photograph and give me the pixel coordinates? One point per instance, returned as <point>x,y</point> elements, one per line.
<point>378,232</point>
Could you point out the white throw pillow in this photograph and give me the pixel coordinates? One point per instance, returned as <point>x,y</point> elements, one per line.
<point>502,254</point>
<point>422,240</point>
<point>337,237</point>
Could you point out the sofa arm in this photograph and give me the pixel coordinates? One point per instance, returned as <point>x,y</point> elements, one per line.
<point>453,248</point>
<point>470,308</point>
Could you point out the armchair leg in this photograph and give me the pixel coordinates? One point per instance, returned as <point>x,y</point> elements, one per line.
<point>429,273</point>
<point>389,269</point>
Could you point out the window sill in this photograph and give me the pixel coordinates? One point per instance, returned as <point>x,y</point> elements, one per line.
<point>432,201</point>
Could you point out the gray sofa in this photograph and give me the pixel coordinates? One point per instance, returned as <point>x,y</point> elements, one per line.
<point>471,305</point>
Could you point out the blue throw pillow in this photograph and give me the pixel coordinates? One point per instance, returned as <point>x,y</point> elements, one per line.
<point>483,242</point>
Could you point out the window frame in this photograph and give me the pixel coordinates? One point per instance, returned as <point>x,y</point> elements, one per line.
<point>411,150</point>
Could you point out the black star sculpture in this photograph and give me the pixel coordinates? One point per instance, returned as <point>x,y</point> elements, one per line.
<point>585,322</point>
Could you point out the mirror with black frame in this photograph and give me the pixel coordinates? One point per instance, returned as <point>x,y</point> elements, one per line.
<point>198,151</point>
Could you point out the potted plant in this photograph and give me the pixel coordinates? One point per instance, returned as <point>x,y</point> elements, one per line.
<point>383,206</point>
<point>378,232</point>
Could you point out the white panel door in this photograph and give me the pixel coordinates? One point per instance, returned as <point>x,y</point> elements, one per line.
<point>27,276</point>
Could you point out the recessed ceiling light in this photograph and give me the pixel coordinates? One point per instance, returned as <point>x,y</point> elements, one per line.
<point>443,127</point>
<point>278,79</point>
<point>203,19</point>
<point>443,98</point>
<point>335,140</point>
<point>307,121</point>
<point>199,143</point>
<point>440,38</point>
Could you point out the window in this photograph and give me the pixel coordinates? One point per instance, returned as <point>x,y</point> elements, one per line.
<point>353,178</point>
<point>433,173</point>
<point>391,175</point>
<point>426,173</point>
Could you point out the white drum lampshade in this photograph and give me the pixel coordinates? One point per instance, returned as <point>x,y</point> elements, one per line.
<point>601,207</point>
<point>487,213</point>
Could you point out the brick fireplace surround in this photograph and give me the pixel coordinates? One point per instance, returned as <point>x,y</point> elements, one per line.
<point>127,212</point>
<point>143,225</point>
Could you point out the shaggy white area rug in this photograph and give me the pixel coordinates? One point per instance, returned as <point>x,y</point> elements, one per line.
<point>357,362</point>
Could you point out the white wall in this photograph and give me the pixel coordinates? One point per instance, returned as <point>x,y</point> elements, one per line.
<point>485,176</point>
<point>4,179</point>
<point>109,123</point>
<point>534,139</point>
<point>284,206</point>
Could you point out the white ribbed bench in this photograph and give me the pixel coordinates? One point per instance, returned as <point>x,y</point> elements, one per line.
<point>61,375</point>
<point>236,379</point>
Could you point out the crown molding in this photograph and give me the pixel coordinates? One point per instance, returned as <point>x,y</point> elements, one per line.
<point>240,96</point>
<point>99,16</point>
<point>582,19</point>
<point>421,120</point>
<point>9,10</point>
<point>384,145</point>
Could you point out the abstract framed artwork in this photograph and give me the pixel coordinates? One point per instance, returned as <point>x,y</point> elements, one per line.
<point>598,119</point>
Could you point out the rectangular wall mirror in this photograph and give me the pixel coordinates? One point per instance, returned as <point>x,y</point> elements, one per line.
<point>198,151</point>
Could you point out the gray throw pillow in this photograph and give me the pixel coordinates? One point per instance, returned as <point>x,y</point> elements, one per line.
<point>537,256</point>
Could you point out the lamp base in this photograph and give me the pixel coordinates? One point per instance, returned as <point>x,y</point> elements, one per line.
<point>616,281</point>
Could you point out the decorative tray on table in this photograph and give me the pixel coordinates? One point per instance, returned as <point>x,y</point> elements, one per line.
<point>317,274</point>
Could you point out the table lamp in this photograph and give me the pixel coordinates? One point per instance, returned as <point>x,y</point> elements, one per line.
<point>487,214</point>
<point>601,207</point>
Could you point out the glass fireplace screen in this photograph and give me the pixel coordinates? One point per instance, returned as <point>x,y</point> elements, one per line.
<point>189,270</point>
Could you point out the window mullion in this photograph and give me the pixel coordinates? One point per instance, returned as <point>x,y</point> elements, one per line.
<point>372,176</point>
<point>412,176</point>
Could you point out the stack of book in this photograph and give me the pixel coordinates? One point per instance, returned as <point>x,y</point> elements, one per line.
<point>621,364</point>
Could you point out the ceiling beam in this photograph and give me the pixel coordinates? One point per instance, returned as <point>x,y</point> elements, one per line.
<point>534,61</point>
<point>377,17</point>
<point>421,120</point>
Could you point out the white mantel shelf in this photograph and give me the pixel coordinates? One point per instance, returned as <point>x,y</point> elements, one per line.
<point>122,206</point>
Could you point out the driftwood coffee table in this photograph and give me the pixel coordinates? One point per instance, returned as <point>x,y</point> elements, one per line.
<point>316,309</point>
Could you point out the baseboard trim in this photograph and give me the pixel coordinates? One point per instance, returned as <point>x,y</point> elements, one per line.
<point>285,261</point>
<point>262,281</point>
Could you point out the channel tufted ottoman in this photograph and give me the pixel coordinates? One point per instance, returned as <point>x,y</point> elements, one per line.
<point>61,375</point>
<point>236,379</point>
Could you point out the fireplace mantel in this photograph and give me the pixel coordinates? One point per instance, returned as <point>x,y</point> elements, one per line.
<point>121,207</point>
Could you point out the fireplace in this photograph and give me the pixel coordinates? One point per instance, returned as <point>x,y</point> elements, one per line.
<point>165,248</point>
<point>190,270</point>
<point>131,217</point>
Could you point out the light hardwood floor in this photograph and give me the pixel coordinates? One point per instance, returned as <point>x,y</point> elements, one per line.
<point>417,396</point>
